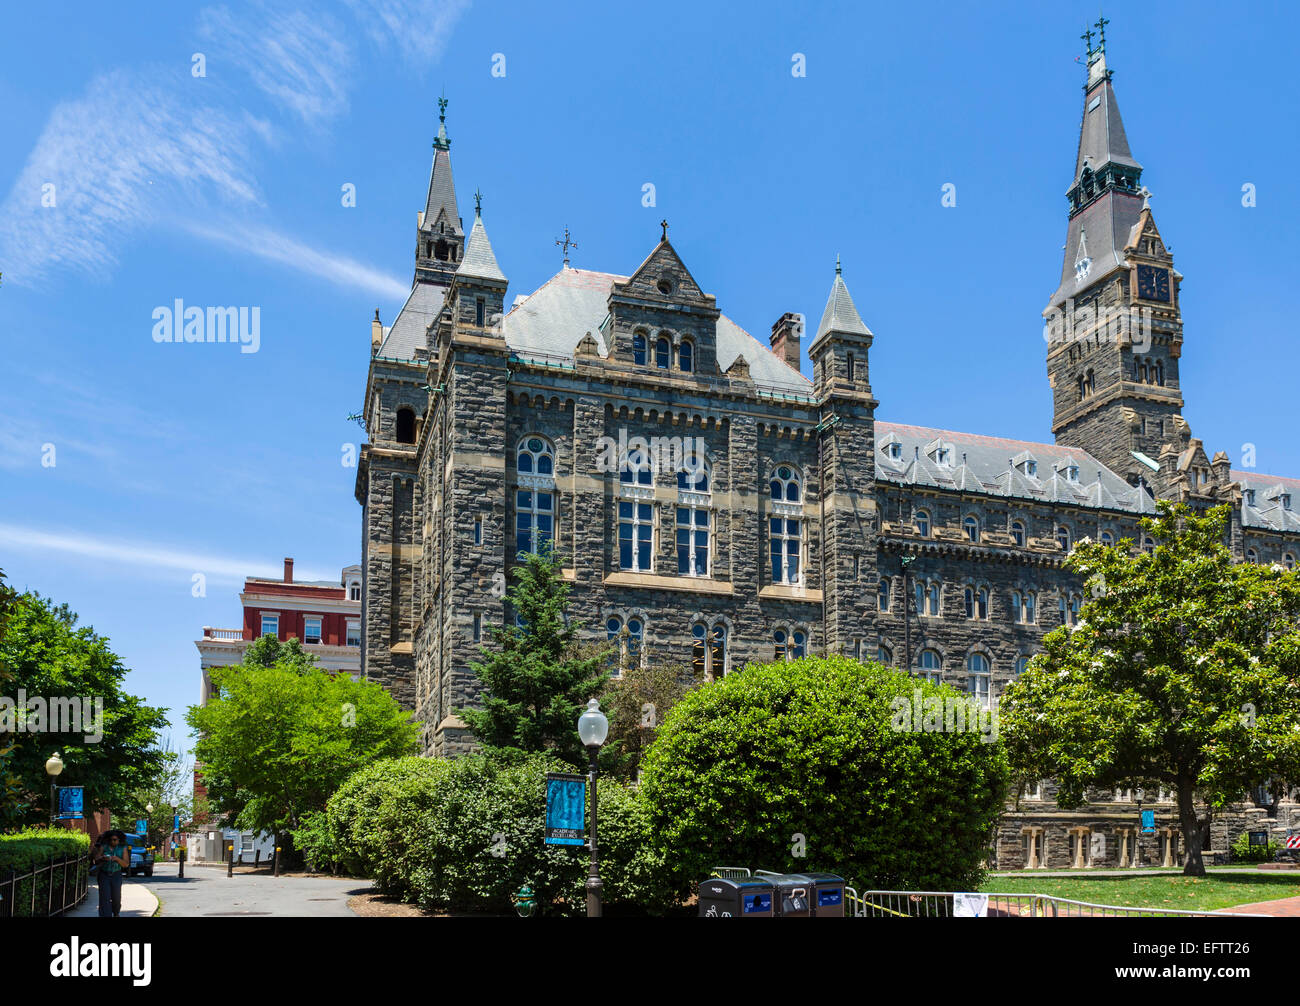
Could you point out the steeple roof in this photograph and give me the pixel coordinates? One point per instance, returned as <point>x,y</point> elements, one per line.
<point>1102,139</point>
<point>840,315</point>
<point>440,205</point>
<point>480,262</point>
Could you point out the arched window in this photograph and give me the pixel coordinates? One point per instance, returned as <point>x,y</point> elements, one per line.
<point>1288,560</point>
<point>1107,538</point>
<point>663,354</point>
<point>977,602</point>
<point>405,426</point>
<point>636,468</point>
<point>686,356</point>
<point>980,679</point>
<point>638,349</point>
<point>1023,604</point>
<point>627,641</point>
<point>1022,664</point>
<point>718,652</point>
<point>699,653</point>
<point>785,484</point>
<point>882,594</point>
<point>931,666</point>
<point>789,645</point>
<point>1252,555</point>
<point>535,457</point>
<point>929,595</point>
<point>972,527</point>
<point>884,655</point>
<point>1148,546</point>
<point>1069,605</point>
<point>1063,537</point>
<point>921,521</point>
<point>694,476</point>
<point>1018,532</point>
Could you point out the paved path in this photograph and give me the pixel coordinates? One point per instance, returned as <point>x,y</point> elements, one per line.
<point>207,891</point>
<point>1286,908</point>
<point>138,902</point>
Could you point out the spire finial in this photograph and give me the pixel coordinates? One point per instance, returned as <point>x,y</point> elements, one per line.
<point>664,224</point>
<point>1145,193</point>
<point>1087,38</point>
<point>1102,21</point>
<point>837,263</point>
<point>478,203</point>
<point>441,142</point>
<point>566,244</point>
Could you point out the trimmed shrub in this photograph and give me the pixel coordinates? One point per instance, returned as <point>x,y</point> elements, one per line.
<point>824,748</point>
<point>35,847</point>
<point>466,834</point>
<point>1244,852</point>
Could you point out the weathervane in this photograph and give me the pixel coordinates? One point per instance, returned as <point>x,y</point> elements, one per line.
<point>441,142</point>
<point>478,202</point>
<point>566,244</point>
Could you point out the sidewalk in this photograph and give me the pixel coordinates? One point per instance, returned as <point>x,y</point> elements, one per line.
<point>138,902</point>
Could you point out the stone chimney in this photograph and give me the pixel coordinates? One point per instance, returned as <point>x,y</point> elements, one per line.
<point>785,338</point>
<point>376,333</point>
<point>288,570</point>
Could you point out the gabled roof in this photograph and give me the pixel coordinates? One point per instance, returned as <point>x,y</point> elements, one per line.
<point>551,321</point>
<point>1268,512</point>
<point>1102,139</point>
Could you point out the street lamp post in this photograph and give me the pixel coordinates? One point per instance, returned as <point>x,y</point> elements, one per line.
<point>176,833</point>
<point>53,767</point>
<point>593,728</point>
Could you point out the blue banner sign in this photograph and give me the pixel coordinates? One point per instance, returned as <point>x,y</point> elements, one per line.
<point>1148,822</point>
<point>141,826</point>
<point>176,822</point>
<point>71,803</point>
<point>566,809</point>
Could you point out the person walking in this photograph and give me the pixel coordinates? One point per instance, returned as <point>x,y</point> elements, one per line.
<point>112,855</point>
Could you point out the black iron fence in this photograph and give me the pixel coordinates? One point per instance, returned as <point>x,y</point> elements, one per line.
<point>45,891</point>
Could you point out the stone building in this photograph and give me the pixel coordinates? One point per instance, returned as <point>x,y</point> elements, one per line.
<point>715,505</point>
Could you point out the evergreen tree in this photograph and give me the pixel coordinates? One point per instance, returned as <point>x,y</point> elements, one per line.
<point>536,681</point>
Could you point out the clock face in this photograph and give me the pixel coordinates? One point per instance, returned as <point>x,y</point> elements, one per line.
<point>1153,283</point>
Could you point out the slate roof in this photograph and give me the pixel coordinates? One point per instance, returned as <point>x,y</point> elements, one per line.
<point>1269,512</point>
<point>1108,221</point>
<point>442,193</point>
<point>407,331</point>
<point>1102,139</point>
<point>840,314</point>
<point>989,465</point>
<point>573,302</point>
<point>480,262</point>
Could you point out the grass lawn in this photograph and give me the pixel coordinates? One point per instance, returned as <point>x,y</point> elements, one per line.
<point>1220,889</point>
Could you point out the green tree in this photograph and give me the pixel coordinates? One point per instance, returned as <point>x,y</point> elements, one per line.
<point>636,703</point>
<point>47,656</point>
<point>12,806</point>
<point>174,780</point>
<point>536,680</point>
<point>1182,671</point>
<point>819,764</point>
<point>276,741</point>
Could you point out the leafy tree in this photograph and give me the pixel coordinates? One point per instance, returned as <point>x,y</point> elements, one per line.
<point>276,741</point>
<point>819,764</point>
<point>174,780</point>
<point>636,704</point>
<point>1182,671</point>
<point>12,806</point>
<point>45,654</point>
<point>536,680</point>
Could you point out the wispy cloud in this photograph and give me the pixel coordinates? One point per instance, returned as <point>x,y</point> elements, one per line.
<point>123,553</point>
<point>140,146</point>
<point>298,59</point>
<point>273,246</point>
<point>107,163</point>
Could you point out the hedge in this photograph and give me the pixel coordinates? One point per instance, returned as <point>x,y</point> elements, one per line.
<point>35,847</point>
<point>808,757</point>
<point>466,834</point>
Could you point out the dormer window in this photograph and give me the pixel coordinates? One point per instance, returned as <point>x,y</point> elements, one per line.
<point>943,456</point>
<point>894,450</point>
<point>1031,467</point>
<point>1250,497</point>
<point>1285,499</point>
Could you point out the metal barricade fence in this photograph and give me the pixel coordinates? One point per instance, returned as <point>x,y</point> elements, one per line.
<point>65,885</point>
<point>939,904</point>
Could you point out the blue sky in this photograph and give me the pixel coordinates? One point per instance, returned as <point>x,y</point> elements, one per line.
<point>226,189</point>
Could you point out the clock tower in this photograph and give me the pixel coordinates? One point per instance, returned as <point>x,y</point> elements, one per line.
<point>1113,327</point>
